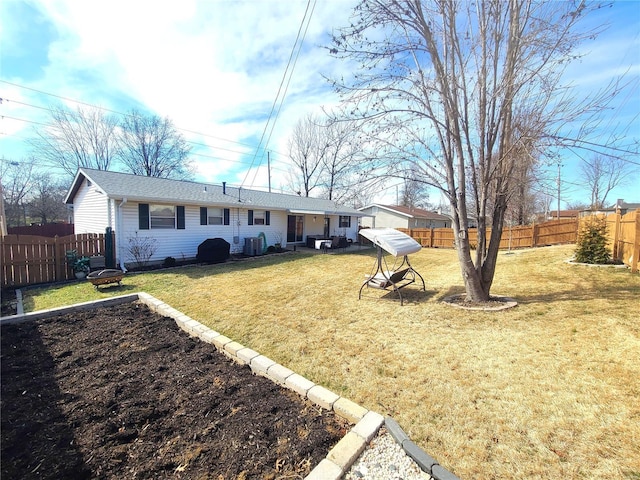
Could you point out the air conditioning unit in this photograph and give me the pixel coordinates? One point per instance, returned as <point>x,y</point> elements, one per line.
<point>252,246</point>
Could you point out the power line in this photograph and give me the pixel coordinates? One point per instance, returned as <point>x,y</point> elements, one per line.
<point>288,82</point>
<point>79,102</point>
<point>284,76</point>
<point>187,141</point>
<point>191,153</point>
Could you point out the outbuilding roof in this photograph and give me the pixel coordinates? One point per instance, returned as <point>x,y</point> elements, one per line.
<point>137,188</point>
<point>410,212</point>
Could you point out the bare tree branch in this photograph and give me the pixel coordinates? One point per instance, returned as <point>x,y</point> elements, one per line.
<point>468,95</point>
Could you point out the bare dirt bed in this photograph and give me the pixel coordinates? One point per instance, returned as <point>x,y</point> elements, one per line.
<point>123,393</point>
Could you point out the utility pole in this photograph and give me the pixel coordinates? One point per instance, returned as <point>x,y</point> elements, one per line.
<point>269,169</point>
<point>558,212</point>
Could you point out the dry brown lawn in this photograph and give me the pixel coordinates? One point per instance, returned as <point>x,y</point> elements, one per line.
<point>550,389</point>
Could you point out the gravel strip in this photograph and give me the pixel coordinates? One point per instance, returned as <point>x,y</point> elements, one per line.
<point>384,459</point>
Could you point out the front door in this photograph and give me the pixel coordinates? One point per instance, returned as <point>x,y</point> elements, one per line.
<point>327,227</point>
<point>295,224</point>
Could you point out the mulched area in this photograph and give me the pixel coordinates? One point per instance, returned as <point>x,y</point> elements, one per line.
<point>121,392</point>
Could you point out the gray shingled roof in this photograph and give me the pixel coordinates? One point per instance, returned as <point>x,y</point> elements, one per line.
<point>410,212</point>
<point>138,188</point>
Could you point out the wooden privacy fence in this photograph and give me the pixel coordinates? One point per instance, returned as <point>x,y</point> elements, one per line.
<point>537,235</point>
<point>623,232</point>
<point>28,260</point>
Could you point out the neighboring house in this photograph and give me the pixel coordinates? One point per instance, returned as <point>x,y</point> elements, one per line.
<point>180,215</point>
<point>564,214</point>
<point>620,206</point>
<point>625,207</point>
<point>380,216</point>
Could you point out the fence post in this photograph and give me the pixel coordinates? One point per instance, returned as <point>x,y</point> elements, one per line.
<point>57,259</point>
<point>534,235</point>
<point>616,235</point>
<point>636,244</point>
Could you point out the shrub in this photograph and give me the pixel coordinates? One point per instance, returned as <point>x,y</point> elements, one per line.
<point>169,262</point>
<point>591,246</point>
<point>78,264</point>
<point>141,249</point>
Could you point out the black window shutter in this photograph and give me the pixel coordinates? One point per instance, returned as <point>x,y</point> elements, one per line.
<point>226,216</point>
<point>143,216</point>
<point>203,215</point>
<point>180,217</point>
<point>250,222</point>
<point>267,217</point>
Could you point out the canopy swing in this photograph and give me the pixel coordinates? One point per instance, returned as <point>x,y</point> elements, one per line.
<point>401,274</point>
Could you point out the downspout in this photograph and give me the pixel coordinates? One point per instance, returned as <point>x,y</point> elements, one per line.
<point>119,243</point>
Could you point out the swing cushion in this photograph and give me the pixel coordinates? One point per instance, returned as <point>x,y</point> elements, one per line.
<point>391,280</point>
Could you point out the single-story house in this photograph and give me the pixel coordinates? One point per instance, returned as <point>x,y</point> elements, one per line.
<point>620,207</point>
<point>381,216</point>
<point>177,216</point>
<point>625,207</point>
<point>563,215</point>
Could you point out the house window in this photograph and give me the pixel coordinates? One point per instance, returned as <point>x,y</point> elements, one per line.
<point>162,216</point>
<point>345,221</point>
<point>259,217</point>
<point>214,216</point>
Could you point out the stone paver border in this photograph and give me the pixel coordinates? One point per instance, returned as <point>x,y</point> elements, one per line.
<point>342,455</point>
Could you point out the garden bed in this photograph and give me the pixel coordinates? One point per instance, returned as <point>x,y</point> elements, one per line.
<point>122,392</point>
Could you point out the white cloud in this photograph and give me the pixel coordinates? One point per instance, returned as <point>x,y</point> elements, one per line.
<point>211,66</point>
<point>215,66</point>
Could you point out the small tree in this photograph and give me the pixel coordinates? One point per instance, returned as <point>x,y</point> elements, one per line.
<point>591,246</point>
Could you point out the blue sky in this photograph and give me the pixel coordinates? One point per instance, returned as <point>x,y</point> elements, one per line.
<point>215,67</point>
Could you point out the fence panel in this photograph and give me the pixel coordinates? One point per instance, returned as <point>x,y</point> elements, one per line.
<point>29,260</point>
<point>555,232</point>
<point>623,234</point>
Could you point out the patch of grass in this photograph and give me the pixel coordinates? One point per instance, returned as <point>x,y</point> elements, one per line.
<point>546,390</point>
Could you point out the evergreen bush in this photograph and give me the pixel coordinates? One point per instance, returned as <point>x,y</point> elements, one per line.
<point>591,246</point>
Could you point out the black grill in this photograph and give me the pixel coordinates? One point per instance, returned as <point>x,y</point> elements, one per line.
<point>213,250</point>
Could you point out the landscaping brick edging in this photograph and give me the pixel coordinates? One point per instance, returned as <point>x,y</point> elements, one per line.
<point>343,454</point>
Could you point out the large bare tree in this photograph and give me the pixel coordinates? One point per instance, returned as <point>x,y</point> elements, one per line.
<point>463,94</point>
<point>85,137</point>
<point>342,155</point>
<point>153,147</point>
<point>16,179</point>
<point>602,174</point>
<point>326,155</point>
<point>46,201</point>
<point>306,151</point>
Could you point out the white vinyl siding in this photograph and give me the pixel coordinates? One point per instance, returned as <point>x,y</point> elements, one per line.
<point>90,210</point>
<point>183,244</point>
